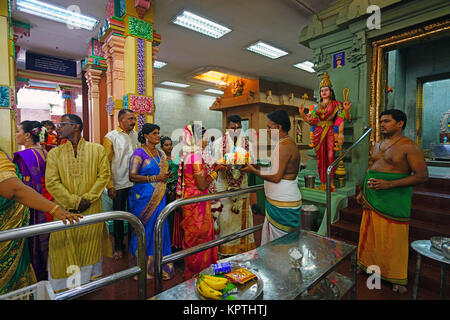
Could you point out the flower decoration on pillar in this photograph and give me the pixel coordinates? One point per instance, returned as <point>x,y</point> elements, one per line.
<point>12,94</point>
<point>142,7</point>
<point>140,28</point>
<point>4,97</point>
<point>156,39</point>
<point>140,104</point>
<point>110,106</point>
<point>95,48</point>
<point>141,121</point>
<point>140,46</point>
<point>113,26</point>
<point>66,94</point>
<point>125,101</point>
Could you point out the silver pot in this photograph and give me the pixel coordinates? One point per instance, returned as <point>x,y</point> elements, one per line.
<point>309,181</point>
<point>310,217</point>
<point>446,249</point>
<point>437,242</point>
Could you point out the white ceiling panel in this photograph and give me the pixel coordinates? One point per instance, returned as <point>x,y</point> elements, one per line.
<point>278,22</point>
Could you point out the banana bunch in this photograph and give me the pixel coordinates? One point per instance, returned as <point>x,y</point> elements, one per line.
<point>215,282</point>
<point>209,286</point>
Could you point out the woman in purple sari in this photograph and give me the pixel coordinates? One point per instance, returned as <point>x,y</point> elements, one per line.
<point>31,163</point>
<point>149,171</point>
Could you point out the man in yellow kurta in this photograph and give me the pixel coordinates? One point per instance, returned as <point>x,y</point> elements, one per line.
<point>77,172</point>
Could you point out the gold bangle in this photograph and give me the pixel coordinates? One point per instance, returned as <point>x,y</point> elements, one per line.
<point>148,178</point>
<point>52,212</point>
<point>213,175</point>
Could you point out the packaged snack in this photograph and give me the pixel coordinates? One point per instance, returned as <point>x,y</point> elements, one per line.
<point>221,267</point>
<point>240,276</point>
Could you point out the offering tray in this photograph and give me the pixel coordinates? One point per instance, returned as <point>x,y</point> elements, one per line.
<point>251,290</point>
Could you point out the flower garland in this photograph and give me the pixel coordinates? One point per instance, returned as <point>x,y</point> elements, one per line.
<point>232,182</point>
<point>40,132</point>
<point>216,205</point>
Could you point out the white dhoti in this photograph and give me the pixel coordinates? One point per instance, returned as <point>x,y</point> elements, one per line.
<point>283,205</point>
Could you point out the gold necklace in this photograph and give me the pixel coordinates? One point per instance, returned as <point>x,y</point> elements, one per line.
<point>323,108</point>
<point>389,145</point>
<point>148,151</point>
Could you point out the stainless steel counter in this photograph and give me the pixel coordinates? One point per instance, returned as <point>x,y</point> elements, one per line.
<point>321,256</point>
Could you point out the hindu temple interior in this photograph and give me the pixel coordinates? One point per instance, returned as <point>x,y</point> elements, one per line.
<point>135,55</point>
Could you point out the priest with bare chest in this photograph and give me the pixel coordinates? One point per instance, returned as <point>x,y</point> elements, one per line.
<point>396,164</point>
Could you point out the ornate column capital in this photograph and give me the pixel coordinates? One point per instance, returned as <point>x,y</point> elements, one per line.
<point>116,44</point>
<point>93,77</point>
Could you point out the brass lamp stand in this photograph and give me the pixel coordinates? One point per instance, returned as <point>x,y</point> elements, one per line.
<point>340,171</point>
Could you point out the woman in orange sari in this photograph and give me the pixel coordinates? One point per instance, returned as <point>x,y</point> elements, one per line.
<point>197,222</point>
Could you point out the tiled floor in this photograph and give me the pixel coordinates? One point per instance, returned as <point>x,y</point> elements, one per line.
<point>127,289</point>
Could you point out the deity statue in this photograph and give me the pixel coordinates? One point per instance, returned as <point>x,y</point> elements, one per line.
<point>327,128</point>
<point>238,87</point>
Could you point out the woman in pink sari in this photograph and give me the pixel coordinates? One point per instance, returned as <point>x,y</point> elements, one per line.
<point>196,222</point>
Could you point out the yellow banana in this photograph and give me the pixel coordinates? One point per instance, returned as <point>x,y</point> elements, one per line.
<point>207,291</point>
<point>215,282</point>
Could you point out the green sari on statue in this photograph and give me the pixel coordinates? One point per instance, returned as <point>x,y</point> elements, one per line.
<point>16,271</point>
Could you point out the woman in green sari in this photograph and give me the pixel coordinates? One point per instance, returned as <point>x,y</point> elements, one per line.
<point>171,192</point>
<point>16,271</point>
<point>174,162</point>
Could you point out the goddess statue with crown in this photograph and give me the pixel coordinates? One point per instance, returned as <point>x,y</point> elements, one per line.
<point>327,128</point>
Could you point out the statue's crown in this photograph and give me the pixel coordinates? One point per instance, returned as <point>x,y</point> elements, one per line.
<point>325,81</point>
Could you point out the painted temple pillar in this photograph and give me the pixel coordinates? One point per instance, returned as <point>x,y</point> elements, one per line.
<point>7,80</point>
<point>94,66</point>
<point>69,95</point>
<point>129,49</point>
<point>114,53</point>
<point>93,77</point>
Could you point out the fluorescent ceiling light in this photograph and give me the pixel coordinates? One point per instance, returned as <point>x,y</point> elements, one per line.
<point>159,64</point>
<point>52,12</point>
<point>305,65</point>
<point>194,22</point>
<point>267,50</point>
<point>175,84</point>
<point>214,91</point>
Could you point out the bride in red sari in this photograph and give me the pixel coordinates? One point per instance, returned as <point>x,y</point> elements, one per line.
<point>197,225</point>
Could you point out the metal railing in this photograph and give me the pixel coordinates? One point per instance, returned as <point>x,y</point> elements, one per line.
<point>48,227</point>
<point>159,260</point>
<point>330,169</point>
